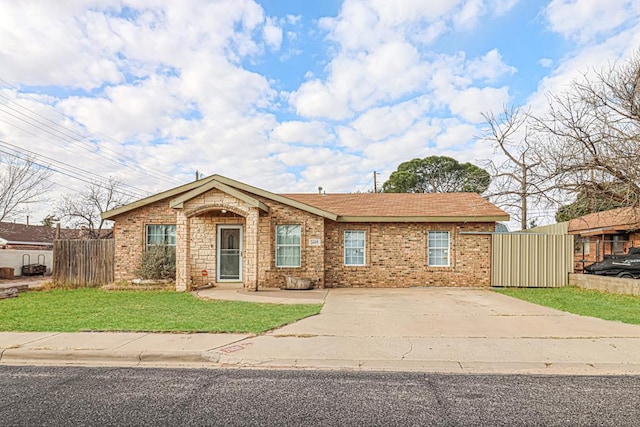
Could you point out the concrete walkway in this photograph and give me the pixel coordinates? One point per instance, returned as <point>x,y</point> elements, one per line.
<point>418,329</point>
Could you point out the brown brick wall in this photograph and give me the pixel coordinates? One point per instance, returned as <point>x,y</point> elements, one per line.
<point>129,232</point>
<point>312,257</point>
<point>396,256</point>
<point>396,253</point>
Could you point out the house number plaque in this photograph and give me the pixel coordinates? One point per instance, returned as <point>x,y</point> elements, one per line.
<point>314,242</point>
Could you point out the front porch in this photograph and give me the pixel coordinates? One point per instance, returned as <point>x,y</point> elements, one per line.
<point>217,239</point>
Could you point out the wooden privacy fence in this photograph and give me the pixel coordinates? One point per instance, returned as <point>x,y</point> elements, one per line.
<point>83,262</point>
<point>531,260</point>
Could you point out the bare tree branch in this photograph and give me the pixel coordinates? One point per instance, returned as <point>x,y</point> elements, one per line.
<point>593,131</point>
<point>22,182</point>
<point>517,180</point>
<point>83,210</point>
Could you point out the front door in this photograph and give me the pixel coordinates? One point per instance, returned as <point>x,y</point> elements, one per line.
<point>229,253</point>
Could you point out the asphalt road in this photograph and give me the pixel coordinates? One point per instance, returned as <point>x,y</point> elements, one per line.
<point>63,396</point>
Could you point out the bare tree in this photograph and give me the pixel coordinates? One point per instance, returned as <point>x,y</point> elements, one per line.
<point>22,182</point>
<point>83,210</point>
<point>593,131</point>
<point>516,177</point>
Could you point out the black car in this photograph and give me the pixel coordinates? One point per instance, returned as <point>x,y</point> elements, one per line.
<point>627,266</point>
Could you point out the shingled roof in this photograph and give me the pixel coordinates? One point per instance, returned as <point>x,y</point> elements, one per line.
<point>351,207</point>
<point>606,222</point>
<point>399,205</point>
<point>12,233</point>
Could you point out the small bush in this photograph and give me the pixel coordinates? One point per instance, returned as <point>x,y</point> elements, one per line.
<point>158,262</point>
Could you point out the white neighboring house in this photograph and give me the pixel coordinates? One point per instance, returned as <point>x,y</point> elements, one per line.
<point>23,244</point>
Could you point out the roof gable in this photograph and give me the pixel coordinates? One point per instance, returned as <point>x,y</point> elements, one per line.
<point>155,198</point>
<point>178,203</point>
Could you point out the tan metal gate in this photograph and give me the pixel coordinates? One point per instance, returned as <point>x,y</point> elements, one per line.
<point>531,260</point>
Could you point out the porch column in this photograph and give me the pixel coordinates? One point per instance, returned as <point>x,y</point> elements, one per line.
<point>250,258</point>
<point>182,252</point>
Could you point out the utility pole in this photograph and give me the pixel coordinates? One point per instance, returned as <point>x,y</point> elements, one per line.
<point>375,183</point>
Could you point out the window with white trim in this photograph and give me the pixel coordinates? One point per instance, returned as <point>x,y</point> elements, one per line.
<point>288,238</point>
<point>161,234</point>
<point>438,248</point>
<point>354,247</point>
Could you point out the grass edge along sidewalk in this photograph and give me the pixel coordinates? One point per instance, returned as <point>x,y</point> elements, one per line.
<point>603,305</point>
<point>89,309</point>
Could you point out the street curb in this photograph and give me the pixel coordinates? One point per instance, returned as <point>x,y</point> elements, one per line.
<point>100,356</point>
<point>215,359</point>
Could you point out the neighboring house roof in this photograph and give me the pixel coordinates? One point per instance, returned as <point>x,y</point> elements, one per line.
<point>356,207</point>
<point>23,234</point>
<point>606,222</point>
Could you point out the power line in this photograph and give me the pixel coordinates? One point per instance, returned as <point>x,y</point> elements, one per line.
<point>66,170</point>
<point>54,132</point>
<point>79,139</point>
<point>66,166</point>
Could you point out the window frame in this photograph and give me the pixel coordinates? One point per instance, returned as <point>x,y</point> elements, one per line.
<point>165,236</point>
<point>363,248</point>
<point>438,248</point>
<point>582,246</point>
<point>288,245</point>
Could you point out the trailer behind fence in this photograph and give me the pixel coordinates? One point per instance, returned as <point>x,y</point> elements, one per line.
<point>83,262</point>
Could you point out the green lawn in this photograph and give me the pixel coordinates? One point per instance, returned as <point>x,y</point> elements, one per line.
<point>156,311</point>
<point>623,308</point>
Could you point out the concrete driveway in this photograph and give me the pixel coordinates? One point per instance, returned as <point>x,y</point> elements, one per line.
<point>418,329</point>
<point>448,329</point>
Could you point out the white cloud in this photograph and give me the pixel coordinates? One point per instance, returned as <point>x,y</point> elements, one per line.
<point>455,134</point>
<point>585,19</point>
<point>469,14</point>
<point>175,83</point>
<point>380,123</point>
<point>472,102</point>
<point>272,34</point>
<point>309,133</point>
<point>316,99</point>
<point>584,62</point>
<point>501,7</point>
<point>546,62</point>
<point>46,44</point>
<point>490,66</point>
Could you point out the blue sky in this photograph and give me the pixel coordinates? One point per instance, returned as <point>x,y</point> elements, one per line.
<point>285,95</point>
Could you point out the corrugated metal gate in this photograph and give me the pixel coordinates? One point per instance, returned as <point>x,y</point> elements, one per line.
<point>531,260</point>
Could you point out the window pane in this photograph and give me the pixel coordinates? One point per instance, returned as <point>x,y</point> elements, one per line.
<point>438,248</point>
<point>288,234</point>
<point>354,247</point>
<point>161,234</point>
<point>288,245</point>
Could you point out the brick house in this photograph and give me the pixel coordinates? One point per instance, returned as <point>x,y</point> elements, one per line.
<point>610,232</point>
<point>238,233</point>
